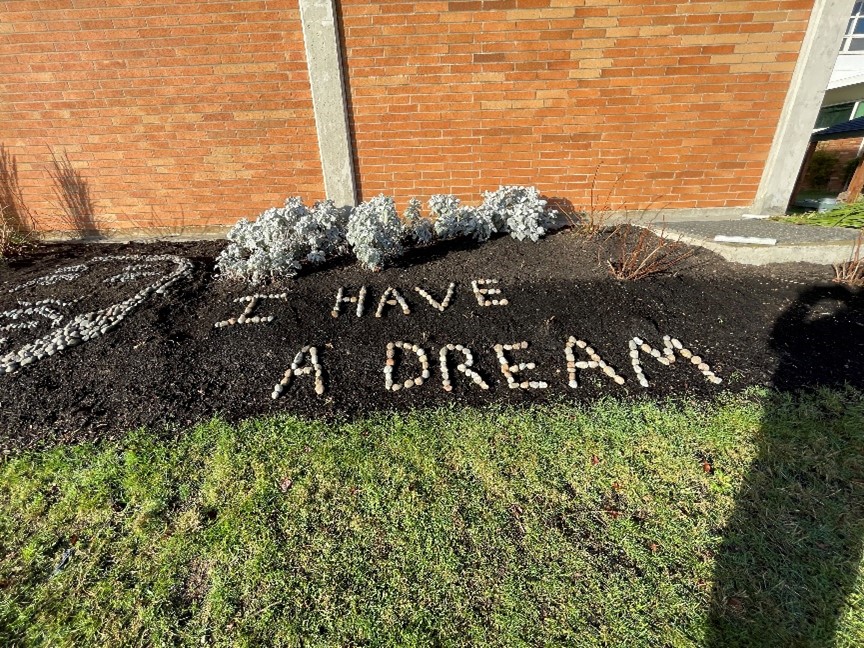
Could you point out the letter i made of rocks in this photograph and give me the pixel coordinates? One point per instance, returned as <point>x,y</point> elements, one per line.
<point>251,304</point>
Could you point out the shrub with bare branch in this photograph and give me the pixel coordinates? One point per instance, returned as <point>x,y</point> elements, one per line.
<point>639,253</point>
<point>596,217</point>
<point>851,272</point>
<point>73,196</point>
<point>16,222</point>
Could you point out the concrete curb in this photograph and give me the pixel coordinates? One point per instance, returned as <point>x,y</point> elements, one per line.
<point>819,253</point>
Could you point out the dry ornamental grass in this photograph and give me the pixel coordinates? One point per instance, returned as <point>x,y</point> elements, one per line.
<point>851,272</point>
<point>16,221</point>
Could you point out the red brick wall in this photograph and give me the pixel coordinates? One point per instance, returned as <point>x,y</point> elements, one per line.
<point>198,111</point>
<point>201,111</point>
<point>676,101</point>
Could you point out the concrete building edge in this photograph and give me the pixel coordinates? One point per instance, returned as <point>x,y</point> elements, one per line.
<point>812,73</point>
<point>325,66</point>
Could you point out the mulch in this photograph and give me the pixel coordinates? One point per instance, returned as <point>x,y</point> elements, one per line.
<point>167,367</point>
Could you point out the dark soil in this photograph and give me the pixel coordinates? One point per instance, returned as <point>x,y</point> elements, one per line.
<point>166,366</point>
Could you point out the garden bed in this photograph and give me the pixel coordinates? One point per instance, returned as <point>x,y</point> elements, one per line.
<point>166,365</point>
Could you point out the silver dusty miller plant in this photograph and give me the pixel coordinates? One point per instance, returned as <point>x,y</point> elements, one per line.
<point>419,228</point>
<point>520,211</point>
<point>445,207</point>
<point>375,232</point>
<point>281,239</point>
<point>325,231</point>
<point>477,222</point>
<point>517,210</point>
<point>456,220</point>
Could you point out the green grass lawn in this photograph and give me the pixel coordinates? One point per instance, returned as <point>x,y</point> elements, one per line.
<point>738,523</point>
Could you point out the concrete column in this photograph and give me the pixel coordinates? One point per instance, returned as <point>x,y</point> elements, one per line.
<point>323,58</point>
<point>809,80</point>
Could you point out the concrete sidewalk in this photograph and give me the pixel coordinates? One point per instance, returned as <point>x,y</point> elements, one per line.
<point>791,243</point>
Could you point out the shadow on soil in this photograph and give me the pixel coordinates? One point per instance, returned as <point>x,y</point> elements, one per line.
<point>790,553</point>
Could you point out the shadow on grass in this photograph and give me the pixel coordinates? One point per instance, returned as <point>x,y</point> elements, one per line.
<point>790,552</point>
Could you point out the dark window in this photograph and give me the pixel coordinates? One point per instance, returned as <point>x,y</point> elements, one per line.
<point>837,114</point>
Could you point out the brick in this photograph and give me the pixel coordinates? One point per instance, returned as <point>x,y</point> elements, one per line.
<point>182,106</point>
